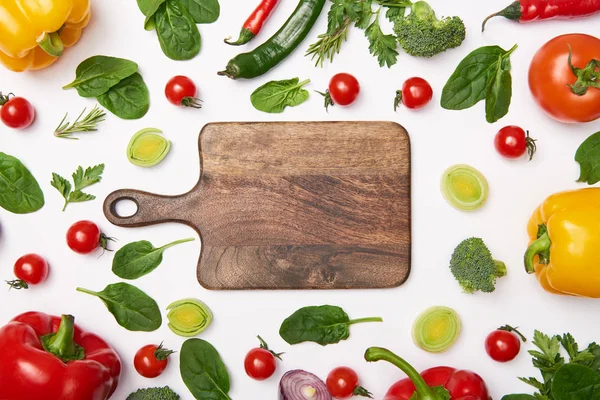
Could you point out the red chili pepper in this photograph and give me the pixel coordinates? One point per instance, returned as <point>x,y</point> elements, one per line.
<point>254,22</point>
<point>47,357</point>
<point>429,385</point>
<point>534,10</point>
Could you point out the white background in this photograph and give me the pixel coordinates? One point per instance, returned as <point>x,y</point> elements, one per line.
<point>439,138</point>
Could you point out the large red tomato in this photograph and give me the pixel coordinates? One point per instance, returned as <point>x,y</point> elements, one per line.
<point>550,77</point>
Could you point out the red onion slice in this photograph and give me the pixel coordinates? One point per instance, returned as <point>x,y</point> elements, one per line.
<point>302,385</point>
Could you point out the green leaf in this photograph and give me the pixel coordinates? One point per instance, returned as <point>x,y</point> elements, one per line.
<point>203,11</point>
<point>394,13</point>
<point>61,184</point>
<point>203,370</point>
<point>275,96</point>
<point>498,92</point>
<point>78,197</point>
<point>177,32</point>
<point>20,193</point>
<point>96,75</point>
<point>320,324</point>
<point>81,180</point>
<point>133,309</point>
<point>91,175</point>
<point>152,8</point>
<point>576,382</point>
<point>518,397</point>
<point>381,46</point>
<point>129,99</point>
<point>137,259</point>
<point>588,157</point>
<point>365,15</point>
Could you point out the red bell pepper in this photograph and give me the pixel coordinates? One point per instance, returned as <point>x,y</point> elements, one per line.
<point>51,358</point>
<point>433,384</point>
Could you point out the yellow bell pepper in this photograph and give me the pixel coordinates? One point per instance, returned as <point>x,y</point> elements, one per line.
<point>564,251</point>
<point>33,33</point>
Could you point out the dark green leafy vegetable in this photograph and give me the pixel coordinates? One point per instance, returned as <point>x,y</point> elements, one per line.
<point>137,259</point>
<point>483,74</point>
<point>474,268</point>
<point>320,324</point>
<point>203,11</point>
<point>20,193</point>
<point>154,393</point>
<point>150,9</point>
<point>96,75</point>
<point>128,99</point>
<point>177,32</point>
<point>519,397</point>
<point>588,157</point>
<point>381,45</point>
<point>81,180</point>
<point>133,309</point>
<point>203,371</point>
<point>275,96</point>
<point>576,382</point>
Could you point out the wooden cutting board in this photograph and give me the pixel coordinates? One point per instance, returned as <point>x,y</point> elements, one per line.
<point>293,205</point>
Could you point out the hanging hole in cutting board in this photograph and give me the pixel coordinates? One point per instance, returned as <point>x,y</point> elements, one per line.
<point>125,207</point>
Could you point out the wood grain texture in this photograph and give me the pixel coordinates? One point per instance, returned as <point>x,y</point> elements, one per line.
<point>294,205</point>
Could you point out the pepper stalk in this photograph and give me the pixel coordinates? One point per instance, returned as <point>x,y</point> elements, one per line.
<point>62,343</point>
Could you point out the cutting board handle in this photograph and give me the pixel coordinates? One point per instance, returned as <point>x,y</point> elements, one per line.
<point>151,208</point>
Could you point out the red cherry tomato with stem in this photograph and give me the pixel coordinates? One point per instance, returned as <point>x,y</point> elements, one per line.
<point>342,383</point>
<point>181,91</point>
<point>343,90</point>
<point>30,269</point>
<point>416,93</point>
<point>151,360</point>
<point>512,142</point>
<point>16,112</point>
<point>504,344</point>
<point>83,237</point>
<point>260,363</point>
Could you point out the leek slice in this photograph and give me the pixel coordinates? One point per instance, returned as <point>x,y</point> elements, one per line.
<point>436,329</point>
<point>464,187</point>
<point>188,317</point>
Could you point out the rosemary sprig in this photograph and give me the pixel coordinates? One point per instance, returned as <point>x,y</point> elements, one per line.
<point>89,123</point>
<point>329,44</point>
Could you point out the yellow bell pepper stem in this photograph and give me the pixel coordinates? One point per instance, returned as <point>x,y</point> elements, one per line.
<point>539,247</point>
<point>51,43</point>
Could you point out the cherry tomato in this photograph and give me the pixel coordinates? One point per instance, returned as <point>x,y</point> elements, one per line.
<point>466,384</point>
<point>260,363</point>
<point>416,93</point>
<point>343,90</point>
<point>16,112</point>
<point>512,142</point>
<point>550,77</point>
<point>181,91</point>
<point>83,237</point>
<point>151,360</point>
<point>503,344</point>
<point>30,269</point>
<point>342,383</point>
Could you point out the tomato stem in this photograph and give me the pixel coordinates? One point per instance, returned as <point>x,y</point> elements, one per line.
<point>328,99</point>
<point>161,353</point>
<point>397,99</point>
<point>509,328</point>
<point>17,284</point>
<point>586,77</point>
<point>531,146</point>
<point>263,345</point>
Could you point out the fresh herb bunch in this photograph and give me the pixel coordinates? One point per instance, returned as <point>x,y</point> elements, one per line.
<point>81,180</point>
<point>89,123</point>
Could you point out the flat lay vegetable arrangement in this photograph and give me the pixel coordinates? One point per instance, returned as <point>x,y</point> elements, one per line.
<point>48,356</point>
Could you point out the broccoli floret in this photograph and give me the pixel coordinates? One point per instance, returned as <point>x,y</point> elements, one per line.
<point>421,34</point>
<point>155,393</point>
<point>474,268</point>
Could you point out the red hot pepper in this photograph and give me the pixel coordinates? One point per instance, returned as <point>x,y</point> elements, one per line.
<point>255,21</point>
<point>534,10</point>
<point>47,357</point>
<point>431,384</point>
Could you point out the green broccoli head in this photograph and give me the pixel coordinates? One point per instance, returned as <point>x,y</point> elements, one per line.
<point>421,34</point>
<point>155,393</point>
<point>474,268</point>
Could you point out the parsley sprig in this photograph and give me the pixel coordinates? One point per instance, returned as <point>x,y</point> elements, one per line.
<point>81,180</point>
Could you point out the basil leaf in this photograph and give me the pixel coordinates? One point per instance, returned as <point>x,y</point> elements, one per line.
<point>576,382</point>
<point>96,75</point>
<point>519,397</point>
<point>137,259</point>
<point>203,11</point>
<point>499,91</point>
<point>177,32</point>
<point>320,324</point>
<point>129,99</point>
<point>20,193</point>
<point>203,371</point>
<point>275,96</point>
<point>133,309</point>
<point>152,8</point>
<point>588,157</point>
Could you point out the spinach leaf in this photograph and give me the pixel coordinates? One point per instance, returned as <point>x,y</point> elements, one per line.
<point>576,382</point>
<point>133,309</point>
<point>137,259</point>
<point>128,99</point>
<point>518,397</point>
<point>20,193</point>
<point>96,75</point>
<point>588,157</point>
<point>320,324</point>
<point>482,74</point>
<point>153,6</point>
<point>203,371</point>
<point>177,32</point>
<point>202,11</point>
<point>275,96</point>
